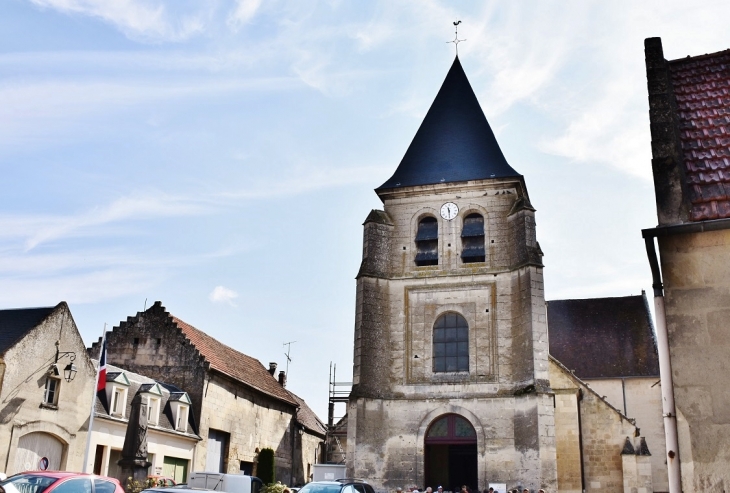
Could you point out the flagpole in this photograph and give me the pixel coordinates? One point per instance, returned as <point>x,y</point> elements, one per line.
<point>93,402</point>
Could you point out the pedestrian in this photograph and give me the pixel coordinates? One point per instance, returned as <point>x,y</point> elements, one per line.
<point>399,490</point>
<point>440,489</point>
<point>429,490</point>
<point>464,489</point>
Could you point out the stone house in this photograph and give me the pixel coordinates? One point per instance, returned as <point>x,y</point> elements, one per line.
<point>609,344</point>
<point>42,414</point>
<point>452,378</point>
<point>171,433</point>
<point>689,114</point>
<point>239,406</point>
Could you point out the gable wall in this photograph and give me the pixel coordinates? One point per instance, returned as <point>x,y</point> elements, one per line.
<point>23,387</point>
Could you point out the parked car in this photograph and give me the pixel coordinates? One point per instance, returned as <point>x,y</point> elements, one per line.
<point>162,481</point>
<point>177,489</point>
<point>59,482</point>
<point>338,486</point>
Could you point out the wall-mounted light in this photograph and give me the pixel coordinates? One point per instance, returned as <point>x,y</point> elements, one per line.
<point>69,371</point>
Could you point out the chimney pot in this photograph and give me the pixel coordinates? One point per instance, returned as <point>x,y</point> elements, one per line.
<point>282,378</point>
<point>272,368</point>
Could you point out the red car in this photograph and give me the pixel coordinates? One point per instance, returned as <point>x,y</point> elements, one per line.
<point>59,482</point>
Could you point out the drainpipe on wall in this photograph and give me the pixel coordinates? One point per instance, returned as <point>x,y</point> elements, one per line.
<point>665,369</point>
<point>578,399</point>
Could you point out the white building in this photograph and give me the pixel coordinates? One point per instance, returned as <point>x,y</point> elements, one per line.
<point>171,434</point>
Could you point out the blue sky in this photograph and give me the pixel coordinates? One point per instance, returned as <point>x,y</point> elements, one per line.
<point>220,156</point>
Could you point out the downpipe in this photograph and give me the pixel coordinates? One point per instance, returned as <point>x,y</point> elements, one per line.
<point>665,372</point>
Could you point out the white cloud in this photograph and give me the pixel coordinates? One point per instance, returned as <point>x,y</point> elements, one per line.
<point>245,10</point>
<point>38,229</point>
<point>137,19</point>
<point>223,295</point>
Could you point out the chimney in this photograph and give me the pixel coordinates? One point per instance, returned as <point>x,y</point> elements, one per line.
<point>272,368</point>
<point>282,378</point>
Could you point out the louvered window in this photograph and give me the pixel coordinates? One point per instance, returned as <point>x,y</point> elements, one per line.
<point>427,242</point>
<point>450,343</point>
<point>472,239</point>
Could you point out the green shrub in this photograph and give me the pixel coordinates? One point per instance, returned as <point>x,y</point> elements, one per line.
<point>266,466</point>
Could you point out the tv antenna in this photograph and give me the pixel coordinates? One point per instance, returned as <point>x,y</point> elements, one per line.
<point>456,40</point>
<point>288,359</point>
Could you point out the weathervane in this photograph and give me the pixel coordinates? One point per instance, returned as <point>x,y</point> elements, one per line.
<point>456,40</point>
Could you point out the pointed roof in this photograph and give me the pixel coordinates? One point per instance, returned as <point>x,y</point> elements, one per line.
<point>454,142</point>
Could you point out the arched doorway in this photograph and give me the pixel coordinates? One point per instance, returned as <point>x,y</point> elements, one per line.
<point>34,446</point>
<point>451,453</point>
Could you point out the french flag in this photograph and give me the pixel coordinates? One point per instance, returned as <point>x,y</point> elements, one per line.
<point>101,378</point>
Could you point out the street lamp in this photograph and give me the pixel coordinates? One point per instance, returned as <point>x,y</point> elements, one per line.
<point>69,372</point>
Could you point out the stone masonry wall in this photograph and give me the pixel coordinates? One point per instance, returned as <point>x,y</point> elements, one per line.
<point>696,269</point>
<point>23,386</point>
<point>252,421</point>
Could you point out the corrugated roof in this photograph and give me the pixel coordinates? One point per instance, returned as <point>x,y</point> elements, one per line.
<point>702,91</point>
<point>603,337</point>
<point>15,323</point>
<point>235,364</point>
<point>454,142</point>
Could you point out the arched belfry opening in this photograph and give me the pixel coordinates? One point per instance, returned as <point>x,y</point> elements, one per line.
<point>451,453</point>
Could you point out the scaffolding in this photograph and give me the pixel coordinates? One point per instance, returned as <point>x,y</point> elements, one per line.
<point>339,393</point>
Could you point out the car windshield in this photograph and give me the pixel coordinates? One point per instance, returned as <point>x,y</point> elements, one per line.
<point>27,483</point>
<point>320,488</point>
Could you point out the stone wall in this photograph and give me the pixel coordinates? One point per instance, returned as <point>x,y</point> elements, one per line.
<point>397,394</point>
<point>643,403</point>
<point>696,270</point>
<point>253,422</point>
<point>25,366</point>
<point>582,417</point>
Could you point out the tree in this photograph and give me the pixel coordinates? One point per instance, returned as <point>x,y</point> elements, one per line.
<point>266,466</point>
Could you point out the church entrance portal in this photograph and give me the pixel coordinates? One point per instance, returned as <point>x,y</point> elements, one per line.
<point>451,453</point>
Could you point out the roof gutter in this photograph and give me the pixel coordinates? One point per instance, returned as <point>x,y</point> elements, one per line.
<point>665,365</point>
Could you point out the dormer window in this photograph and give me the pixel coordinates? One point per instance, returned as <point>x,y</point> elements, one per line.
<point>153,410</point>
<point>117,385</point>
<point>472,239</point>
<point>427,242</point>
<point>181,420</point>
<point>119,401</point>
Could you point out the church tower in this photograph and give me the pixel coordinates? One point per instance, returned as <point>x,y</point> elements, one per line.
<point>450,378</point>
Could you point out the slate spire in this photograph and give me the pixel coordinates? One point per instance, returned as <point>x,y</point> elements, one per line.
<point>454,142</point>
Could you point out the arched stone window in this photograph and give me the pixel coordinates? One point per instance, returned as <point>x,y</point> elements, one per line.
<point>427,242</point>
<point>450,343</point>
<point>472,239</point>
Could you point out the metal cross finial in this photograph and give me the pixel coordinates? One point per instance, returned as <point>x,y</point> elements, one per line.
<point>456,40</point>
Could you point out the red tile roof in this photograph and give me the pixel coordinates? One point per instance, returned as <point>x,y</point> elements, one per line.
<point>236,365</point>
<point>702,91</point>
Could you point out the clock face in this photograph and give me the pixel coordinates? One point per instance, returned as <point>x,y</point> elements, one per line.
<point>449,211</point>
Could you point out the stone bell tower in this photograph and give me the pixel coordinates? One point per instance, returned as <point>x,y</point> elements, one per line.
<point>451,345</point>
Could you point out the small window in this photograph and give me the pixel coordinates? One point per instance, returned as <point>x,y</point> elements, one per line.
<point>119,401</point>
<point>182,418</point>
<point>153,410</point>
<point>427,242</point>
<point>472,239</point>
<point>450,344</point>
<point>50,395</point>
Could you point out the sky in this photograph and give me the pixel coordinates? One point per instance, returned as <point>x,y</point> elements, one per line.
<point>221,156</point>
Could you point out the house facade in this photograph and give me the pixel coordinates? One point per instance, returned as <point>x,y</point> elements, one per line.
<point>689,113</point>
<point>171,432</point>
<point>238,405</point>
<point>43,415</point>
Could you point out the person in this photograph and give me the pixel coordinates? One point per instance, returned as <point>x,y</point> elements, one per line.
<point>440,489</point>
<point>399,490</point>
<point>464,489</point>
<point>429,490</point>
